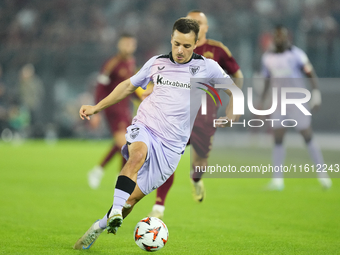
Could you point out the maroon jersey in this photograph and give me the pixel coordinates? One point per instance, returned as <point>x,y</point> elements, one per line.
<point>114,71</point>
<point>221,54</point>
<point>203,130</point>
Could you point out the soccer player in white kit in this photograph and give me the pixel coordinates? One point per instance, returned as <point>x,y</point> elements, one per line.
<point>161,129</point>
<point>287,65</point>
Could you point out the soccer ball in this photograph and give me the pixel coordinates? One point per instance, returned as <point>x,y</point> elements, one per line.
<point>151,234</point>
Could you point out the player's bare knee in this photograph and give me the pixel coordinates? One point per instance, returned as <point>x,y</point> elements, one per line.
<point>137,158</point>
<point>137,152</point>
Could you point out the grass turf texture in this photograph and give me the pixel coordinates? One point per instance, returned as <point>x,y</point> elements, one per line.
<point>46,206</point>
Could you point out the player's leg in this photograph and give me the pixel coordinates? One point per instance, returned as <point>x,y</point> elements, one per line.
<point>160,164</point>
<point>126,181</point>
<point>201,143</point>
<point>197,183</point>
<point>115,216</point>
<point>159,207</point>
<point>278,158</point>
<point>150,164</point>
<point>125,187</point>
<point>91,235</point>
<point>135,197</point>
<point>316,155</point>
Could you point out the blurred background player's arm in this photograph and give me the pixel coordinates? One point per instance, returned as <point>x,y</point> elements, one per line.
<point>122,90</point>
<point>315,101</point>
<point>229,111</point>
<point>238,78</point>
<point>238,81</point>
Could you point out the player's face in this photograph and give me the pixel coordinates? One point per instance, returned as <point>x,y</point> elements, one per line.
<point>202,21</point>
<point>127,45</point>
<point>280,37</point>
<point>183,46</point>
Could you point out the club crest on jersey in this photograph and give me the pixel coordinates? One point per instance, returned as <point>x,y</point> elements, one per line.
<point>134,133</point>
<point>194,69</point>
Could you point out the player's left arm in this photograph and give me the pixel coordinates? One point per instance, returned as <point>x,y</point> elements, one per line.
<point>308,69</point>
<point>229,112</point>
<point>238,78</point>
<point>230,65</point>
<point>238,81</point>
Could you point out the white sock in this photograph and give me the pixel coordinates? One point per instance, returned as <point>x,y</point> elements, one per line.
<point>277,181</point>
<point>159,208</point>
<point>279,154</point>
<point>119,199</point>
<point>316,155</point>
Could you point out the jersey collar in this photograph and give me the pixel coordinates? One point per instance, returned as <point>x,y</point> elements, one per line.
<point>193,56</point>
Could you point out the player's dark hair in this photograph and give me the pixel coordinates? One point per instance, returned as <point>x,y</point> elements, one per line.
<point>185,26</point>
<point>126,35</point>
<point>279,27</point>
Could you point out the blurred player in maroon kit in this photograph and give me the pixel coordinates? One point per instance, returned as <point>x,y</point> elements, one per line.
<point>203,130</point>
<point>115,70</point>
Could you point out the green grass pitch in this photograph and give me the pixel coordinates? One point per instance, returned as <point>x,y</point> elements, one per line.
<point>46,206</point>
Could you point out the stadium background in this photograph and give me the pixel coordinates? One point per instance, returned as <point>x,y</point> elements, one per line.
<point>67,42</point>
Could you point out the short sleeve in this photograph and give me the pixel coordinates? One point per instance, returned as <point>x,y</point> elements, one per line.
<point>215,70</point>
<point>143,76</point>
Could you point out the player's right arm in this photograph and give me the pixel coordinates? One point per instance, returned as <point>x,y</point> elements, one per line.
<point>238,78</point>
<point>122,90</point>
